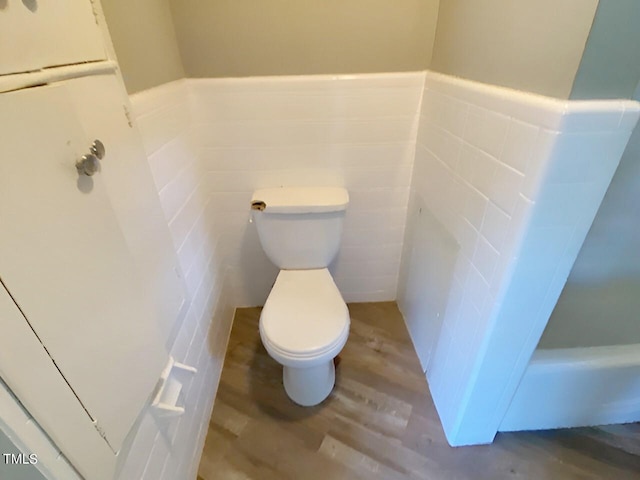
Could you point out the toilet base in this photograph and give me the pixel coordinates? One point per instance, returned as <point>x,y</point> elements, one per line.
<point>309,386</point>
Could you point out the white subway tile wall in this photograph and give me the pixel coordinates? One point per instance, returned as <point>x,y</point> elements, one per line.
<point>352,131</point>
<point>169,449</point>
<point>516,180</point>
<point>210,144</point>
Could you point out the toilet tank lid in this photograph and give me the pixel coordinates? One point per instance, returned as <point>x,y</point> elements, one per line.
<point>300,199</point>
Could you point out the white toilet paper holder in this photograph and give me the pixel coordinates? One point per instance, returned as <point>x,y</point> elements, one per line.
<point>166,400</point>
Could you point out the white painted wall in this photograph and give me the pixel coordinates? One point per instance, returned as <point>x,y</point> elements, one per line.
<point>352,131</point>
<point>509,183</point>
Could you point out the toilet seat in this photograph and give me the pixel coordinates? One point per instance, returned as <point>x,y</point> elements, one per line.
<point>304,321</point>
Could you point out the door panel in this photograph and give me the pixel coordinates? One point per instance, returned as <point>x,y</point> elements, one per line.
<point>41,33</point>
<point>66,262</point>
<point>33,377</point>
<point>98,102</point>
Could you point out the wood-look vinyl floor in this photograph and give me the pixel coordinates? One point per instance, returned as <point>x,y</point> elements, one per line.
<point>379,423</point>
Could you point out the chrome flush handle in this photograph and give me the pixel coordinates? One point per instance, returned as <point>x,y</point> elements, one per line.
<point>90,163</point>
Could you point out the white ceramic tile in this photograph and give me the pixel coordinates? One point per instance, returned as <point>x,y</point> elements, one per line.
<point>464,336</point>
<point>302,106</point>
<point>486,130</point>
<point>379,177</point>
<point>477,288</point>
<point>354,237</point>
<point>549,244</point>
<point>467,162</point>
<point>197,239</point>
<point>182,223</point>
<point>455,196</point>
<point>181,345</point>
<point>161,126</point>
<point>275,133</point>
<point>484,169</point>
<point>591,116</point>
<point>449,112</point>
<point>467,237</point>
<point>359,284</point>
<point>539,162</point>
<point>378,198</point>
<point>586,157</point>
<point>375,219</point>
<point>138,454</point>
<point>441,184</point>
<point>177,192</point>
<point>475,206</point>
<point>156,98</point>
<point>563,204</point>
<point>544,111</point>
<point>570,159</point>
<point>230,201</point>
<point>495,226</point>
<point>156,461</point>
<point>485,259</point>
<point>167,162</point>
<point>375,267</point>
<point>460,273</point>
<point>605,166</point>
<point>505,187</point>
<point>438,366</point>
<point>519,224</point>
<point>306,156</point>
<point>519,145</point>
<point>307,83</point>
<point>195,275</point>
<point>442,144</point>
<point>429,174</point>
<point>370,252</point>
<point>456,294</point>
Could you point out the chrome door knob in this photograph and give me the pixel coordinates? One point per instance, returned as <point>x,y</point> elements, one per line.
<point>98,149</point>
<point>88,165</point>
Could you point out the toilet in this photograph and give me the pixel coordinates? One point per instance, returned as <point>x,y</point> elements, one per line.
<point>304,323</point>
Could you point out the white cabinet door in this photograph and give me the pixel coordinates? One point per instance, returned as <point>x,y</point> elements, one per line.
<point>44,33</point>
<point>67,263</point>
<point>99,104</point>
<point>32,376</point>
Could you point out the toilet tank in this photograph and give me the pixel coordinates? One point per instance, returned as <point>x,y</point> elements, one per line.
<point>300,228</point>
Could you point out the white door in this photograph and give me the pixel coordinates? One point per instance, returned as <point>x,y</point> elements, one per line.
<point>66,262</point>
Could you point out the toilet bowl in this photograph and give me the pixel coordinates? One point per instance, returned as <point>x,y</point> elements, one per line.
<point>305,322</point>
